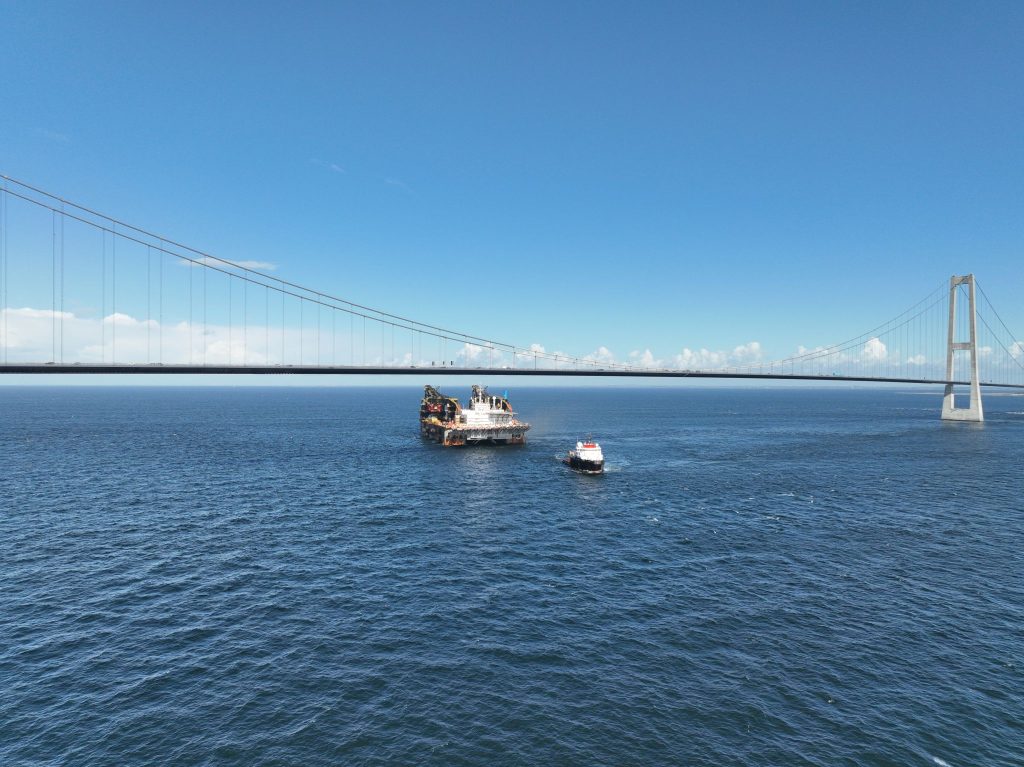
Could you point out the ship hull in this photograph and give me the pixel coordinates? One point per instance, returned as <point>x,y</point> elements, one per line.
<point>463,436</point>
<point>583,466</point>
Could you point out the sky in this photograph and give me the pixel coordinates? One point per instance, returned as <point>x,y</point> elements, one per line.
<point>638,178</point>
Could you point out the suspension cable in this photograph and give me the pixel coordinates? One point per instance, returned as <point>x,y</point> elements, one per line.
<point>255,277</point>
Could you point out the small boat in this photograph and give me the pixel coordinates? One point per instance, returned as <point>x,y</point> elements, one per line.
<point>587,458</point>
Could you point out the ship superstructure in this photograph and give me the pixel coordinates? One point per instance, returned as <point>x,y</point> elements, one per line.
<point>486,418</point>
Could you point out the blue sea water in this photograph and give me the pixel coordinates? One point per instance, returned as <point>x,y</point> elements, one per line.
<point>285,576</point>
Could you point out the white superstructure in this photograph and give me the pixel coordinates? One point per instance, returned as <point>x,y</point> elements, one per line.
<point>589,451</point>
<point>484,409</point>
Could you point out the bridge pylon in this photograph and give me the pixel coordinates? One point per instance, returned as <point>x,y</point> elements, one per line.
<point>973,412</point>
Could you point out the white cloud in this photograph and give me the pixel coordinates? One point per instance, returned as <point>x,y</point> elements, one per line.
<point>917,359</point>
<point>602,356</point>
<point>44,314</point>
<point>469,352</point>
<point>556,358</point>
<point>803,351</point>
<point>331,166</point>
<point>702,359</point>
<point>645,359</point>
<point>126,320</point>
<point>475,355</point>
<point>256,266</point>
<point>874,351</point>
<point>29,335</point>
<point>1017,349</point>
<point>55,136</point>
<point>747,353</point>
<point>399,184</point>
<point>706,359</point>
<point>265,266</point>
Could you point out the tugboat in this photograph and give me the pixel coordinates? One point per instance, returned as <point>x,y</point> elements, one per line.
<point>486,419</point>
<point>587,458</point>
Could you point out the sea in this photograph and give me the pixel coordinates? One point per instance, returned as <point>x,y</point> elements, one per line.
<point>292,576</point>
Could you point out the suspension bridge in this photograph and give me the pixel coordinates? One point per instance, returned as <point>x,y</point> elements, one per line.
<point>83,292</point>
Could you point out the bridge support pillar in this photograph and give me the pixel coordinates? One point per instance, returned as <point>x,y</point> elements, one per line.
<point>973,412</point>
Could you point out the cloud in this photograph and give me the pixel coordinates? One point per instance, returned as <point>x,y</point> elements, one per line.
<point>55,136</point>
<point>256,266</point>
<point>874,351</point>
<point>1017,349</point>
<point>28,336</point>
<point>645,359</point>
<point>399,184</point>
<point>126,320</point>
<point>469,352</point>
<point>747,353</point>
<point>331,166</point>
<point>702,359</point>
<point>802,351</point>
<point>917,359</point>
<point>474,355</point>
<point>265,266</point>
<point>538,352</point>
<point>44,314</point>
<point>602,356</point>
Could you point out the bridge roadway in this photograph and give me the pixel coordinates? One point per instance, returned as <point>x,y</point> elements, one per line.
<point>480,372</point>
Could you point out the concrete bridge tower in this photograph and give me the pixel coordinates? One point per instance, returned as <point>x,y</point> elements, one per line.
<point>974,412</point>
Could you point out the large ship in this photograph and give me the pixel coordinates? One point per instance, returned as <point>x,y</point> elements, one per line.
<point>486,419</point>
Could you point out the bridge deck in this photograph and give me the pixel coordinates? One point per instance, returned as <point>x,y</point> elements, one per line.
<point>157,369</point>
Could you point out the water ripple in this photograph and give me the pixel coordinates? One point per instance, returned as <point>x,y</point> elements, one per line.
<point>282,576</point>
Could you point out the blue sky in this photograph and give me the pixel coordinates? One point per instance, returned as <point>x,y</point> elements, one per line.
<point>634,176</point>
